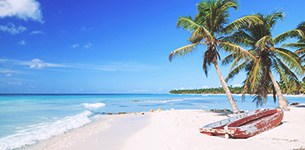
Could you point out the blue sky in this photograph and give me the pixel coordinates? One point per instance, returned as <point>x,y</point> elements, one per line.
<point>109,46</point>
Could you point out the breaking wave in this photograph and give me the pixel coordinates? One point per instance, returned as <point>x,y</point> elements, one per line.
<point>93,105</point>
<point>34,133</point>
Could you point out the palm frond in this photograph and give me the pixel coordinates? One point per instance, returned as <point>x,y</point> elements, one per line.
<point>286,75</point>
<point>303,59</point>
<point>235,62</point>
<point>301,26</point>
<point>265,41</point>
<point>254,75</point>
<point>258,99</point>
<point>240,37</point>
<point>229,4</point>
<point>199,34</point>
<point>233,48</point>
<point>291,59</point>
<point>299,46</point>
<point>208,58</point>
<point>182,51</point>
<point>239,40</point>
<point>246,85</point>
<point>228,59</point>
<point>289,34</point>
<point>273,18</point>
<point>187,23</point>
<point>242,22</point>
<point>300,51</point>
<point>294,45</point>
<point>282,74</point>
<point>236,70</point>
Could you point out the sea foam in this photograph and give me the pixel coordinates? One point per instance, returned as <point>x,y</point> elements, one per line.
<point>93,105</point>
<point>34,133</point>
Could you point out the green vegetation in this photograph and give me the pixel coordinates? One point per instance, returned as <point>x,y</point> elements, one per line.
<point>265,56</point>
<point>209,27</point>
<point>234,90</point>
<point>266,59</point>
<point>300,45</point>
<point>238,90</point>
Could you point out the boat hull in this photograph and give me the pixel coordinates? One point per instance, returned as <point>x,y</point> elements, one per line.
<point>217,128</point>
<point>256,124</point>
<point>246,125</point>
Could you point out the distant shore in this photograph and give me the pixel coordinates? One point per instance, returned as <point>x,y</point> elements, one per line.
<point>173,129</point>
<point>234,90</point>
<point>286,95</point>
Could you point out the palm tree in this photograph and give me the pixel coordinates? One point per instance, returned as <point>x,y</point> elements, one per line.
<point>207,28</point>
<point>266,59</point>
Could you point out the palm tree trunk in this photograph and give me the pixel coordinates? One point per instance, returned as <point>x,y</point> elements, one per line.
<point>227,90</point>
<point>282,100</point>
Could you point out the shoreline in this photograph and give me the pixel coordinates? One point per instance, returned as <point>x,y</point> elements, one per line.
<point>172,129</point>
<point>91,130</point>
<point>288,95</point>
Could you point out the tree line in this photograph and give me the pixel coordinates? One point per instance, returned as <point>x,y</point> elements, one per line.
<point>237,90</point>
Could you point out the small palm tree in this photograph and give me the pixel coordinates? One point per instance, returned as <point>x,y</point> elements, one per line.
<point>266,59</point>
<point>208,27</point>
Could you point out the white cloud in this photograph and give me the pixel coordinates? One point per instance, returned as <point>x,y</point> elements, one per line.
<point>109,67</point>
<point>88,45</point>
<point>11,28</point>
<point>36,32</point>
<point>32,64</point>
<point>23,9</point>
<point>114,67</point>
<point>124,66</point>
<point>76,45</point>
<point>7,72</point>
<point>22,42</point>
<point>39,64</point>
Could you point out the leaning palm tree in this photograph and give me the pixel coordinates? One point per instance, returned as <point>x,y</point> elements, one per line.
<point>266,59</point>
<point>208,28</point>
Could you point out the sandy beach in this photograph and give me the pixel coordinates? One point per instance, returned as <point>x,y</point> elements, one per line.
<point>152,75</point>
<point>173,130</point>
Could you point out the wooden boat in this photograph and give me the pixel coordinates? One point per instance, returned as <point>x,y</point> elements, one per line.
<point>245,125</point>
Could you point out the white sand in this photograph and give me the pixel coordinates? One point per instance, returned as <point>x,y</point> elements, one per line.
<point>174,130</point>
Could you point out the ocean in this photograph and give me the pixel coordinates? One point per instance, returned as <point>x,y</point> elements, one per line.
<point>28,119</point>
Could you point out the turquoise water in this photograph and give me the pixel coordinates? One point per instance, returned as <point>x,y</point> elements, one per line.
<point>26,119</point>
